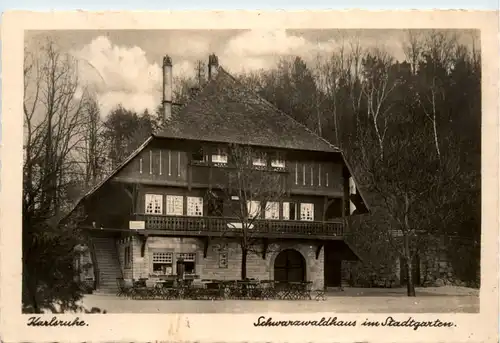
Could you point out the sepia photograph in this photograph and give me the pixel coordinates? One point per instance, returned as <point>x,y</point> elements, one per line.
<point>249,177</point>
<point>285,170</point>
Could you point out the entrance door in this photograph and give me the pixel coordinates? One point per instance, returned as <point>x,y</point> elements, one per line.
<point>290,266</point>
<point>333,273</point>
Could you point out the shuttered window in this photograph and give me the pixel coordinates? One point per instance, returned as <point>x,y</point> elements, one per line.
<point>253,208</point>
<point>307,211</point>
<point>195,206</point>
<point>175,205</point>
<point>154,204</point>
<point>272,210</point>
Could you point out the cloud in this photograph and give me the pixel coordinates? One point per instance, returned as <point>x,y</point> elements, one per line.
<point>260,49</point>
<point>132,76</point>
<point>123,75</point>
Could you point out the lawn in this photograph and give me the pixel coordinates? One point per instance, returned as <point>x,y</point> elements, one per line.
<point>351,300</point>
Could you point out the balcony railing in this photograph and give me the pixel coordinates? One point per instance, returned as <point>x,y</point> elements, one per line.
<point>232,226</point>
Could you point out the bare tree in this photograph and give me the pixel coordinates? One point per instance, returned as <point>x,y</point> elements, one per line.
<point>412,47</point>
<point>377,85</point>
<point>52,128</point>
<point>93,147</point>
<point>249,191</point>
<point>438,54</point>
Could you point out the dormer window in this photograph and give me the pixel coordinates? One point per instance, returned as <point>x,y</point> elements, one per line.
<point>259,162</point>
<point>280,164</point>
<point>220,157</point>
<point>198,156</point>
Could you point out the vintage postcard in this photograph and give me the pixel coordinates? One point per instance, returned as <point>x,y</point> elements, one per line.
<point>250,176</point>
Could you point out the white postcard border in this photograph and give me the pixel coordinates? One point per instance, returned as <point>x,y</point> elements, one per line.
<point>234,327</point>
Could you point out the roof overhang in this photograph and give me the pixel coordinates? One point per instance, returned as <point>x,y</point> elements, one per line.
<point>113,173</point>
<point>358,199</point>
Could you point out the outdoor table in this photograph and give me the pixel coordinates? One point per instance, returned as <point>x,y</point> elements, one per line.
<point>213,290</point>
<point>166,290</point>
<point>268,289</point>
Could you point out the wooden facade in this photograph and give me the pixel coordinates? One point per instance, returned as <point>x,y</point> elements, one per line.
<point>169,193</point>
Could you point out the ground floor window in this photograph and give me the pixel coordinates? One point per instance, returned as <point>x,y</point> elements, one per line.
<point>162,263</point>
<point>189,262</point>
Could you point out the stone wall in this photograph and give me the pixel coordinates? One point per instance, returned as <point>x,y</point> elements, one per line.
<point>436,269</point>
<point>209,267</point>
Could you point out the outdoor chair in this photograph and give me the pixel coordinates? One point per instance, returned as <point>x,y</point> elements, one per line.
<point>124,289</point>
<point>304,290</point>
<point>166,290</point>
<point>268,290</point>
<point>139,289</point>
<point>320,294</point>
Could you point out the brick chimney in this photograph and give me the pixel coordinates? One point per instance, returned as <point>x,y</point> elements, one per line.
<point>167,87</point>
<point>213,65</point>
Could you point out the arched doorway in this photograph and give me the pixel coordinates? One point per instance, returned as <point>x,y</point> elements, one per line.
<point>290,266</point>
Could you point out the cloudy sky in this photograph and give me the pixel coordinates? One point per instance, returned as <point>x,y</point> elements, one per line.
<point>124,67</point>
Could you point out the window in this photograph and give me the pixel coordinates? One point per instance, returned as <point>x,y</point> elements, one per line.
<point>272,210</point>
<point>306,211</point>
<point>278,164</point>
<point>189,262</point>
<point>259,162</point>
<point>215,207</point>
<point>296,173</point>
<point>150,161</point>
<point>178,163</point>
<point>162,263</point>
<point>319,174</point>
<point>220,157</point>
<point>289,211</point>
<point>127,256</point>
<point>169,163</point>
<point>195,206</point>
<point>154,204</point>
<point>198,156</point>
<point>175,205</point>
<point>253,208</point>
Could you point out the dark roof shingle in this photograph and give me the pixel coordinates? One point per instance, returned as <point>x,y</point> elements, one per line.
<point>225,111</point>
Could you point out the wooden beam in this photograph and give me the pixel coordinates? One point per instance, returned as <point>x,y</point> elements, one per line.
<point>129,193</point>
<point>144,239</point>
<point>265,246</point>
<point>345,195</point>
<point>318,248</point>
<point>190,176</point>
<point>210,177</point>
<point>206,243</point>
<point>325,207</point>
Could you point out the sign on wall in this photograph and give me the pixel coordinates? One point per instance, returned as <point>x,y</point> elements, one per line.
<point>137,225</point>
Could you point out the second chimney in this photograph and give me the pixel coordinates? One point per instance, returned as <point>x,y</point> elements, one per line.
<point>213,65</point>
<point>167,87</point>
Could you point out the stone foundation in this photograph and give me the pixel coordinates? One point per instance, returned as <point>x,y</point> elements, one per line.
<point>210,267</point>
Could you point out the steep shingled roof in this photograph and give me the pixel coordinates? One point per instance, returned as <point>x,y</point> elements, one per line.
<point>225,111</point>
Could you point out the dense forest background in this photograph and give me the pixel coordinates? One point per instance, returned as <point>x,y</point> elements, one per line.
<point>410,129</point>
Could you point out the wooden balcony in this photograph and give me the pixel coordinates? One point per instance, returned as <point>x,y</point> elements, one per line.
<point>231,227</point>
